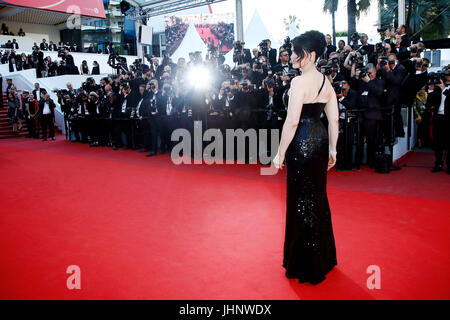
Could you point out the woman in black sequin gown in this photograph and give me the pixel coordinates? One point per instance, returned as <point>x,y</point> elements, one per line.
<point>309,151</point>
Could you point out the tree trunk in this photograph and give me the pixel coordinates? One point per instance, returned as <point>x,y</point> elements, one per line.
<point>351,14</point>
<point>333,10</point>
<point>408,18</point>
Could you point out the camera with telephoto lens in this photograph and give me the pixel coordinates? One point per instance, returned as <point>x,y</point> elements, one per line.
<point>287,45</point>
<point>384,60</point>
<point>329,69</point>
<point>337,86</point>
<point>264,47</point>
<point>259,64</point>
<point>363,72</point>
<point>238,55</point>
<point>436,77</point>
<point>380,48</point>
<point>354,38</point>
<point>269,83</point>
<point>382,29</point>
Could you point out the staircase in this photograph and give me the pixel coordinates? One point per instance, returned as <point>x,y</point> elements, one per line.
<point>6,127</point>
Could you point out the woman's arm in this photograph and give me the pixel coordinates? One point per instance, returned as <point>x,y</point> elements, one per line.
<point>332,112</point>
<point>296,99</point>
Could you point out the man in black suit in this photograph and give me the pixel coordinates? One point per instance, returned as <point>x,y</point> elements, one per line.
<point>154,117</point>
<point>245,56</point>
<point>15,45</point>
<point>167,109</point>
<point>255,56</point>
<point>52,46</point>
<point>44,45</point>
<point>91,48</point>
<point>272,54</point>
<point>37,91</point>
<point>46,115</point>
<point>142,114</point>
<point>402,31</point>
<point>329,49</point>
<point>439,101</point>
<point>70,64</point>
<point>372,87</point>
<point>347,99</point>
<point>122,115</point>
<point>370,57</point>
<point>394,73</point>
<point>285,65</point>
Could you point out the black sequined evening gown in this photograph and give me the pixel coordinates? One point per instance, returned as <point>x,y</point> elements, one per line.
<point>309,248</point>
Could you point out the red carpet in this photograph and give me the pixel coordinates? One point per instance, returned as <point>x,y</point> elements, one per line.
<point>208,34</point>
<point>143,228</point>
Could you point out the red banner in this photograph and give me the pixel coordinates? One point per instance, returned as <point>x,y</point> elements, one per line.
<point>89,8</point>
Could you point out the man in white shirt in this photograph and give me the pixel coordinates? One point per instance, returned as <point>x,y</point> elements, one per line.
<point>46,114</point>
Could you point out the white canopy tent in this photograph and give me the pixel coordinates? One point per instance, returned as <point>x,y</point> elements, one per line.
<point>293,31</point>
<point>257,31</point>
<point>190,43</point>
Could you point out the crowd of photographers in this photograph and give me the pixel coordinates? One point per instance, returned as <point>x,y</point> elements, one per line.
<point>141,106</point>
<point>373,83</point>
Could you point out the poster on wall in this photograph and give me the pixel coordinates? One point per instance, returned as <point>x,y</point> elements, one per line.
<point>88,8</point>
<point>216,30</point>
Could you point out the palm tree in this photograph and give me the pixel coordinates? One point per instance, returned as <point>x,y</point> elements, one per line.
<point>291,19</point>
<point>354,10</point>
<point>331,6</point>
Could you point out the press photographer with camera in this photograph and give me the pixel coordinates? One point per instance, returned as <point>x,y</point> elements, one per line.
<point>240,54</point>
<point>122,114</point>
<point>332,70</point>
<point>371,99</point>
<point>347,98</point>
<point>259,71</point>
<point>266,50</point>
<point>439,103</point>
<point>394,73</point>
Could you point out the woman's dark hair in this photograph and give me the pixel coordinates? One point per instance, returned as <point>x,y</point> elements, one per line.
<point>308,42</point>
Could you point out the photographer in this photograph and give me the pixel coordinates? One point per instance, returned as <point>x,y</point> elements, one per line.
<point>241,55</point>
<point>259,71</point>
<point>266,50</point>
<point>368,54</point>
<point>154,117</point>
<point>371,94</point>
<point>394,73</point>
<point>141,116</point>
<point>439,102</point>
<point>347,98</point>
<point>402,32</point>
<point>333,68</point>
<point>122,115</point>
<point>167,111</point>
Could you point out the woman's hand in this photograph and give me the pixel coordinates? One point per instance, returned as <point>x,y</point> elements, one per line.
<point>331,161</point>
<point>278,161</point>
